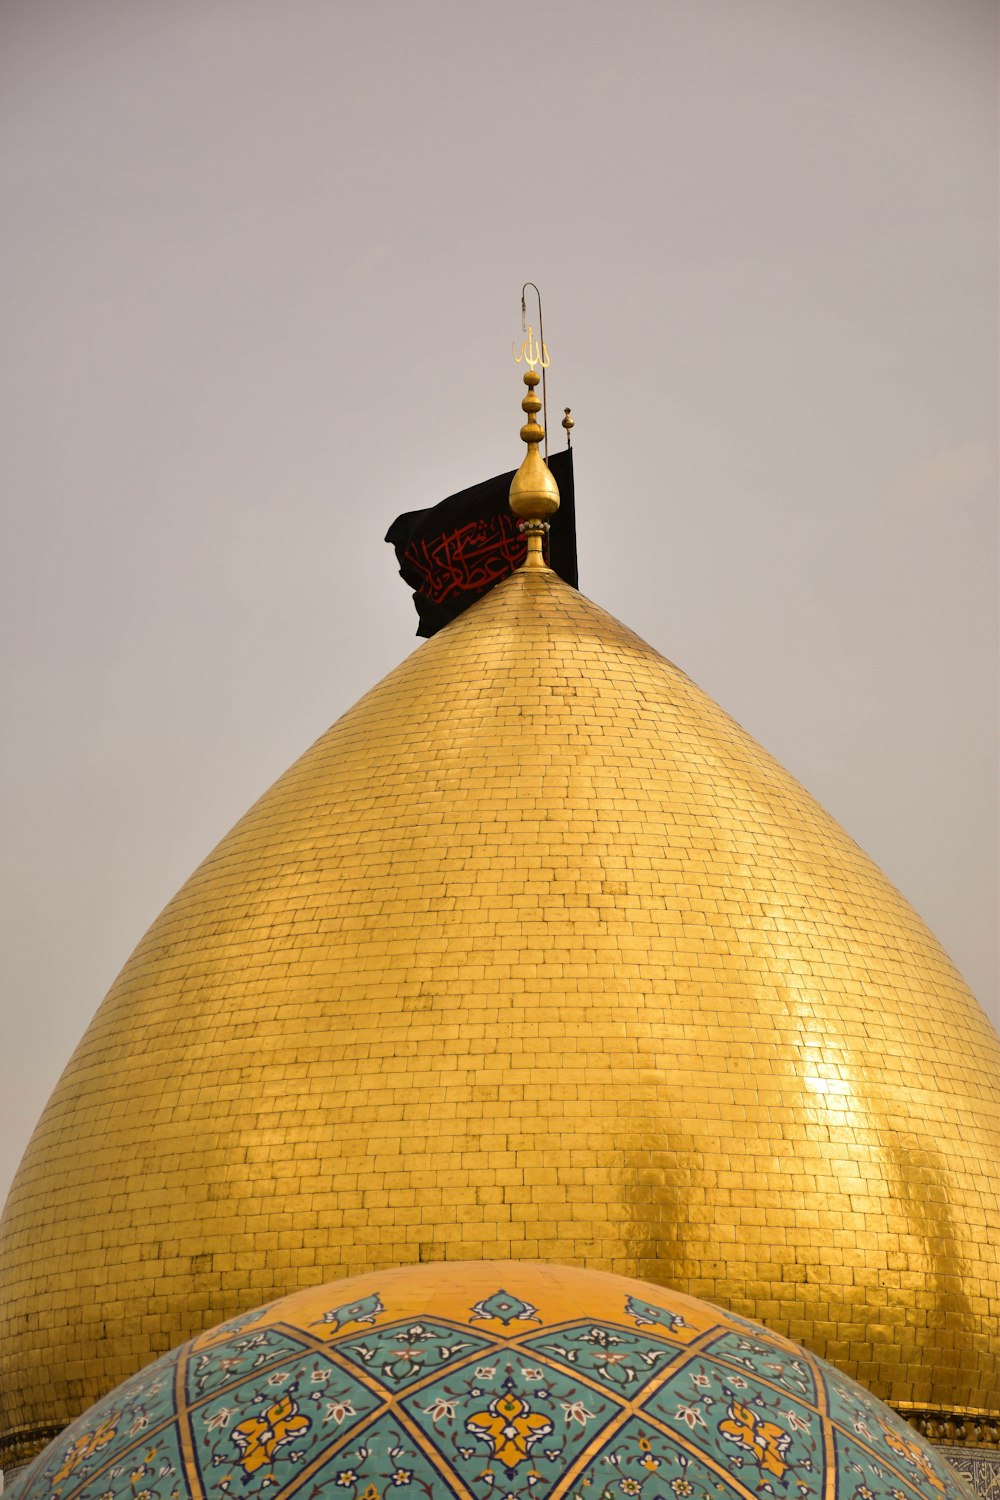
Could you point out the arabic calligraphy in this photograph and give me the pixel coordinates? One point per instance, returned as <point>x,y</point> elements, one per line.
<point>468,560</point>
<point>533,351</point>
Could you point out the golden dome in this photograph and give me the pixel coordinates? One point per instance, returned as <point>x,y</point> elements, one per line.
<point>488,1378</point>
<point>534,955</point>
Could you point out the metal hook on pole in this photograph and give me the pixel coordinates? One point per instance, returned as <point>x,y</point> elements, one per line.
<point>545,361</point>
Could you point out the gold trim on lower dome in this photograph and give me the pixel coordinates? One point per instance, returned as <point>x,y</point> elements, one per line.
<point>535,955</point>
<point>21,1444</point>
<point>968,1429</point>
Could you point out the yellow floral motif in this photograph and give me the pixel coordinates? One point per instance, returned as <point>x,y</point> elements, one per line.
<point>647,1460</point>
<point>259,1438</point>
<point>84,1446</point>
<point>913,1456</point>
<point>765,1441</point>
<point>510,1426</point>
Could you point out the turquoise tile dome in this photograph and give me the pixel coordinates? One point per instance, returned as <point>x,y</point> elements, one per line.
<point>488,1381</point>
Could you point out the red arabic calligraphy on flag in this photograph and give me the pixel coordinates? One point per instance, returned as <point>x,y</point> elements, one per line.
<point>453,553</point>
<point>470,558</point>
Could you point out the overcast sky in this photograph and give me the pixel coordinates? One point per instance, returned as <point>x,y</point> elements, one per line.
<point>261,262</point>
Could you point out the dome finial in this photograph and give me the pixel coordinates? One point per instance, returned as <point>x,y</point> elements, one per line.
<point>534,494</point>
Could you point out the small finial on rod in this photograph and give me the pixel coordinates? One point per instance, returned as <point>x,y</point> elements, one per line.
<point>569,424</point>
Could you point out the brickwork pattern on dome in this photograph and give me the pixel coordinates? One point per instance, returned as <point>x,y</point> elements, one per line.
<point>535,954</point>
<point>489,1380</point>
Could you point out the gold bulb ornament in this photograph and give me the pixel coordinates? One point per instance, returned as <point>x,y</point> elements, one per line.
<point>534,494</point>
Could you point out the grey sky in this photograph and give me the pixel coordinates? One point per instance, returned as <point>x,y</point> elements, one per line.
<point>260,269</point>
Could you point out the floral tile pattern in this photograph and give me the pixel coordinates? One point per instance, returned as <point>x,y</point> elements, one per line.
<point>640,1460</point>
<point>155,1471</point>
<point>615,1358</point>
<point>225,1363</point>
<point>397,1356</point>
<point>274,1424</point>
<point>387,1461</point>
<point>788,1368</point>
<point>773,1444</point>
<point>128,1421</point>
<point>511,1425</point>
<point>477,1381</point>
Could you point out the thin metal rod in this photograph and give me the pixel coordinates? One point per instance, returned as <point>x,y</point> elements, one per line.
<point>541,340</point>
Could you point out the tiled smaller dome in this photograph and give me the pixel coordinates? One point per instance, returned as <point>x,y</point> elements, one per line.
<point>489,1379</point>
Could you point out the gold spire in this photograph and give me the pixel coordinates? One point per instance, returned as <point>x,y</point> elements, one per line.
<point>534,494</point>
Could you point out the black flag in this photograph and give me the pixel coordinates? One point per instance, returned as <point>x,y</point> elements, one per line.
<point>454,552</point>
